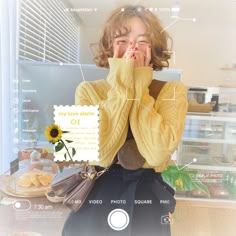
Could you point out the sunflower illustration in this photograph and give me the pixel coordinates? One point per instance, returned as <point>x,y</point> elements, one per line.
<point>53,133</point>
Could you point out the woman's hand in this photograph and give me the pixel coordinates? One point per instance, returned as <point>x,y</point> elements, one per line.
<point>141,57</point>
<point>128,54</point>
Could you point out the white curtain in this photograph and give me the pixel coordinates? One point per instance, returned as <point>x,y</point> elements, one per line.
<point>7,81</point>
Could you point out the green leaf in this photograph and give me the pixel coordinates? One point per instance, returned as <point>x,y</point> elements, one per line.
<point>187,181</point>
<point>189,184</point>
<point>73,152</point>
<point>69,141</point>
<point>172,173</point>
<point>59,146</point>
<point>199,185</point>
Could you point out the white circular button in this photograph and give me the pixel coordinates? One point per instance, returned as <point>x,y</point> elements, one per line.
<point>17,205</point>
<point>118,219</point>
<point>22,205</point>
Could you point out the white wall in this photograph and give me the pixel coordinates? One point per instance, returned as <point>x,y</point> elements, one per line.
<point>201,47</point>
<point>8,74</point>
<point>88,35</point>
<point>1,133</point>
<point>205,46</point>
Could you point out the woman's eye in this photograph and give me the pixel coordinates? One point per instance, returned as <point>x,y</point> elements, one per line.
<point>122,41</point>
<point>143,42</point>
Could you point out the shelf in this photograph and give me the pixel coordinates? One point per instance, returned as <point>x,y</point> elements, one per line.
<point>186,155</point>
<point>208,147</point>
<point>228,68</point>
<point>211,167</point>
<point>213,116</point>
<point>210,129</point>
<point>184,145</point>
<point>207,140</point>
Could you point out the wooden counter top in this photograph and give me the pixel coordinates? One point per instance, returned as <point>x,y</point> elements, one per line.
<point>207,203</point>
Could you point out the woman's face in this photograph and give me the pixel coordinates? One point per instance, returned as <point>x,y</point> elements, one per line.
<point>138,36</point>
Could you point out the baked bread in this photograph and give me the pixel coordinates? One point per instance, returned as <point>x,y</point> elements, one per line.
<point>24,181</point>
<point>45,179</point>
<point>194,106</point>
<point>34,179</point>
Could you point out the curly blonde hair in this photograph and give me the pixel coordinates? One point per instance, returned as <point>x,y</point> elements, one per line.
<point>116,23</point>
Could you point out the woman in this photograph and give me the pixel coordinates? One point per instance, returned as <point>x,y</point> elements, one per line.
<point>141,124</point>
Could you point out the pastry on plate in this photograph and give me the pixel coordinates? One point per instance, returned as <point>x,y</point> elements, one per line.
<point>34,179</point>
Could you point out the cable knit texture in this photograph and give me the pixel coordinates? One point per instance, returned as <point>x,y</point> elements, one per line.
<point>123,99</point>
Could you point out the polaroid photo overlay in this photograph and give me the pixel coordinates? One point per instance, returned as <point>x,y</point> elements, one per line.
<point>80,126</point>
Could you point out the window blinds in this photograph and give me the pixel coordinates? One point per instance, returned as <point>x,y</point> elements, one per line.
<point>48,32</point>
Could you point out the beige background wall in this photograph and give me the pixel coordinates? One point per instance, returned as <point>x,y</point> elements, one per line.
<point>201,48</point>
<point>205,46</point>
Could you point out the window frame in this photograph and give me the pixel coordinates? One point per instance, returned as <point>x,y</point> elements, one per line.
<point>8,81</point>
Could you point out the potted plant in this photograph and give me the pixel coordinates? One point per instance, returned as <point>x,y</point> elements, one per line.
<point>181,179</point>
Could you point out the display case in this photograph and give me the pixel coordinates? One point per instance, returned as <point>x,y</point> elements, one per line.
<point>207,153</point>
<point>31,178</point>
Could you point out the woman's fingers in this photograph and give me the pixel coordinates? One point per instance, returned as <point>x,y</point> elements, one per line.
<point>142,58</point>
<point>116,50</point>
<point>148,55</point>
<point>139,58</point>
<point>129,51</point>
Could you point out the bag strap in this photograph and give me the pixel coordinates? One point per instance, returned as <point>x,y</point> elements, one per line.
<point>100,173</point>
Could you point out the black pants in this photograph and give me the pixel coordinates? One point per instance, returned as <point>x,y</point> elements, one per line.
<point>141,193</point>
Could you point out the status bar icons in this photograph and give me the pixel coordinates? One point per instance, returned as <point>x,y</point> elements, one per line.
<point>157,9</point>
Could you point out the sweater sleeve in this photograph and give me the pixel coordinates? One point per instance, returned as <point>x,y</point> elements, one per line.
<point>157,125</point>
<point>114,107</point>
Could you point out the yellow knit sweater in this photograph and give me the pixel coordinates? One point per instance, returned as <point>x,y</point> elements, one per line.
<point>123,99</point>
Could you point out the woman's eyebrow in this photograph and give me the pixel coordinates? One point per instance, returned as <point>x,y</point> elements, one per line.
<point>126,34</point>
<point>144,35</point>
<point>121,35</point>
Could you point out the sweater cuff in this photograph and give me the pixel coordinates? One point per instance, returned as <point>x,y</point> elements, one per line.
<point>142,80</point>
<point>121,71</point>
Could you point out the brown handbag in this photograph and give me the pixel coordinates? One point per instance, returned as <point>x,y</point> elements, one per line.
<point>75,183</point>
